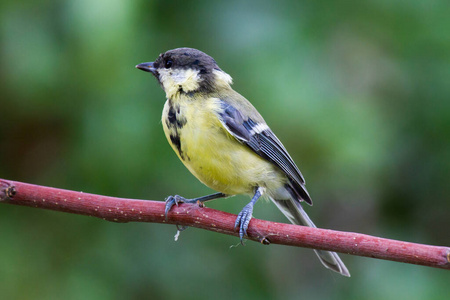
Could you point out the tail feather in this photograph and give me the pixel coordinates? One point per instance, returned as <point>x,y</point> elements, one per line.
<point>296,215</point>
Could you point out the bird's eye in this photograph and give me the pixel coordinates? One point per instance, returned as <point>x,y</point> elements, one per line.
<point>168,64</point>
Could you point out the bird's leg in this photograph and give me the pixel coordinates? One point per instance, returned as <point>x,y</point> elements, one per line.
<point>245,215</point>
<point>174,200</point>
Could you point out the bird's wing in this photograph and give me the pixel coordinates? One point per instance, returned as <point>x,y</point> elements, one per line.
<point>259,137</point>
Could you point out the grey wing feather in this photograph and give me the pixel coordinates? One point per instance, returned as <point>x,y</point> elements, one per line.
<point>263,141</point>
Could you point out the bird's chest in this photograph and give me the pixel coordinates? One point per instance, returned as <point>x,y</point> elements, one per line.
<point>173,123</point>
<point>201,142</point>
<point>189,127</point>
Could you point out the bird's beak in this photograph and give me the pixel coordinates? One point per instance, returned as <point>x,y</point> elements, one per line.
<point>147,67</point>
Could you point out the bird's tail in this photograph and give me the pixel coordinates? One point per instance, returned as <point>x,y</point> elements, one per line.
<point>293,210</point>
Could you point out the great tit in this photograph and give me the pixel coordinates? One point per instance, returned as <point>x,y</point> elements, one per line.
<point>224,141</point>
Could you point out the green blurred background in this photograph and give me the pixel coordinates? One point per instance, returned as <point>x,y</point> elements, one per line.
<point>358,92</point>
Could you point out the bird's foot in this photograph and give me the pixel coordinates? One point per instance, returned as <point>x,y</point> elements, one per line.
<point>243,220</point>
<point>171,201</point>
<point>174,200</point>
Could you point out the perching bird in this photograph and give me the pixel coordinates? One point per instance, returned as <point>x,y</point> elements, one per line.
<point>223,140</point>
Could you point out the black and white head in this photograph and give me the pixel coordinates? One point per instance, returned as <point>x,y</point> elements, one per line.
<point>187,70</point>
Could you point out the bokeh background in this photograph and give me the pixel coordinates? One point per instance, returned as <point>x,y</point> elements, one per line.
<point>358,91</point>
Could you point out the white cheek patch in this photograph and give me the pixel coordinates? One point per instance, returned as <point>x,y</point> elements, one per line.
<point>173,80</point>
<point>185,76</point>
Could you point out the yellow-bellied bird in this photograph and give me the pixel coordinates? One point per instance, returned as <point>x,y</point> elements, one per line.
<point>223,140</point>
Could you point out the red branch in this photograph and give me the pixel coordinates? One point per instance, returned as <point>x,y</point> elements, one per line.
<point>130,210</point>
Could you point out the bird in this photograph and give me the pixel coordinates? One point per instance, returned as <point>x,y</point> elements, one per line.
<point>224,141</point>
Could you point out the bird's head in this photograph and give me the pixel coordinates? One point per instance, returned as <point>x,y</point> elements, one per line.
<point>187,70</point>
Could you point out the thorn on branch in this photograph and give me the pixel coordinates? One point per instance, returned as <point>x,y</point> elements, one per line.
<point>7,191</point>
<point>264,241</point>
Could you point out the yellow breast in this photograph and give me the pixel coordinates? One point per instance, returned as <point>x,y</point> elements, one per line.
<point>216,158</point>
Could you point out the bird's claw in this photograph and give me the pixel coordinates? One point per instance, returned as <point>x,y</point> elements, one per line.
<point>171,201</point>
<point>181,228</point>
<point>243,220</point>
